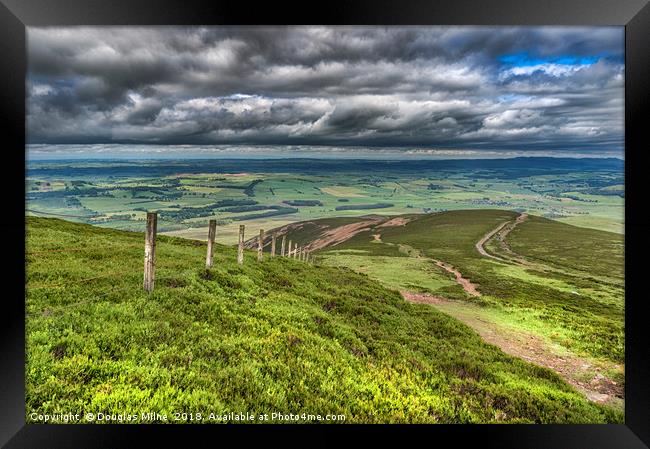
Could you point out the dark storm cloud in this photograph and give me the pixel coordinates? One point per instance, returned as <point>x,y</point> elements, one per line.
<point>546,87</point>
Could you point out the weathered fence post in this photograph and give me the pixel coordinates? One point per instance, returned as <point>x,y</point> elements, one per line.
<point>272,245</point>
<point>289,249</point>
<point>260,246</point>
<point>150,251</point>
<point>284,238</point>
<point>212,231</point>
<point>300,254</point>
<point>240,248</point>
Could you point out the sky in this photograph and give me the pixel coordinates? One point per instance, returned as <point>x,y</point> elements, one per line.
<point>402,90</point>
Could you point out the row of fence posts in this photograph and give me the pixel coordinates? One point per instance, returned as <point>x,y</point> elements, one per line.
<point>292,250</point>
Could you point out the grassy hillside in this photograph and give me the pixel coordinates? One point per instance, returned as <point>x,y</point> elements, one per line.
<point>570,247</point>
<point>555,295</point>
<point>277,336</point>
<point>579,299</point>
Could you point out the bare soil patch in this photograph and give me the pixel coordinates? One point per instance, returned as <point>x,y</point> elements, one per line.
<point>333,237</point>
<point>422,298</point>
<point>394,222</point>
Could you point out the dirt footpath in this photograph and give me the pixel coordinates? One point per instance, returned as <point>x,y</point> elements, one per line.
<point>579,372</point>
<point>468,286</point>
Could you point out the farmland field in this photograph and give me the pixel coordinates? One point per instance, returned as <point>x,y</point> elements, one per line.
<point>271,193</point>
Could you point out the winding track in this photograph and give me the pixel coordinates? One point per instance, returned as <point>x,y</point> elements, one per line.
<point>479,245</point>
<point>572,368</point>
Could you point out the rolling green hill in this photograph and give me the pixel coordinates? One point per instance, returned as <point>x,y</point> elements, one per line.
<point>570,247</point>
<point>276,336</point>
<point>545,280</point>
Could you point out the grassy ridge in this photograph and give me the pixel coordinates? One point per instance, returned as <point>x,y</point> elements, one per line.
<point>579,305</point>
<point>273,336</point>
<point>570,247</point>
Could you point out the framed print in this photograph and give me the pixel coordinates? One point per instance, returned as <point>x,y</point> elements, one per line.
<point>423,216</point>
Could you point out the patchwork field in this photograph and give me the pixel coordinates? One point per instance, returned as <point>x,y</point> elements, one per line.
<point>270,193</point>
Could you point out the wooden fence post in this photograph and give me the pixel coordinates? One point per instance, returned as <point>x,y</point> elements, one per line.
<point>289,249</point>
<point>284,238</point>
<point>300,255</point>
<point>295,250</point>
<point>212,232</point>
<point>240,248</point>
<point>273,245</point>
<point>150,251</point>
<point>260,246</point>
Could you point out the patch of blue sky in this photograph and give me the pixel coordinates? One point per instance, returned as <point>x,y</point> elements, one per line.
<point>505,98</point>
<point>524,59</point>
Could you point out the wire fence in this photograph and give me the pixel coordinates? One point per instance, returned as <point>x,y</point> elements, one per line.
<point>149,265</point>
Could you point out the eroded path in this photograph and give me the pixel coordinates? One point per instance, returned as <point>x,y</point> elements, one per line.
<point>467,285</point>
<point>508,256</point>
<point>501,232</point>
<point>583,374</point>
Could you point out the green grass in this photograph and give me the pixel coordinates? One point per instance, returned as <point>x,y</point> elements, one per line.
<point>273,336</point>
<point>570,247</point>
<point>583,261</point>
<point>400,273</point>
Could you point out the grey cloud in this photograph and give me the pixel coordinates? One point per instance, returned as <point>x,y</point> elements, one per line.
<point>325,85</point>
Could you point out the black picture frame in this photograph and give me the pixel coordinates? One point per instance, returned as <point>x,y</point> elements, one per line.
<point>15,15</point>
